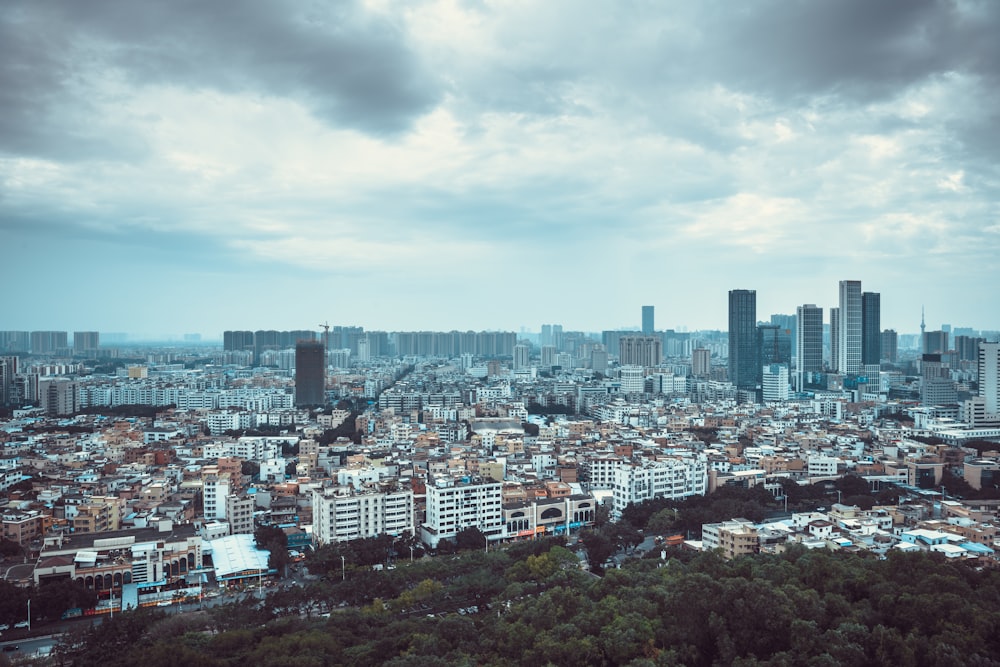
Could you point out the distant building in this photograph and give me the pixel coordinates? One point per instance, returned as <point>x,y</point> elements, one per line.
<point>701,362</point>
<point>775,383</point>
<point>522,356</point>
<point>647,321</point>
<point>935,342</point>
<point>86,342</point>
<point>890,345</point>
<point>643,351</point>
<point>310,374</point>
<point>341,514</point>
<point>835,340</point>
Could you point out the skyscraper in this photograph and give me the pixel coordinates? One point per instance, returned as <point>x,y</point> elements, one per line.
<point>989,376</point>
<point>86,342</point>
<point>744,366</point>
<point>647,321</point>
<point>871,328</point>
<point>935,342</point>
<point>849,356</point>
<point>809,347</point>
<point>775,344</point>
<point>835,340</point>
<point>890,345</point>
<point>310,373</point>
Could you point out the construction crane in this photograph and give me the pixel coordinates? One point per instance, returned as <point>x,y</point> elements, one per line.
<point>326,337</point>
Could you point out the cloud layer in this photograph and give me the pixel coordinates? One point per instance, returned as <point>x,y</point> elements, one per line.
<point>489,165</point>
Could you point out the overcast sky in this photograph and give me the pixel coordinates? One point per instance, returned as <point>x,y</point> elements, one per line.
<point>193,166</point>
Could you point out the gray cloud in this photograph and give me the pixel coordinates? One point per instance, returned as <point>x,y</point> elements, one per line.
<point>349,68</point>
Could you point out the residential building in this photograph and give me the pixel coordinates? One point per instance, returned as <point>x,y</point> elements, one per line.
<point>734,538</point>
<point>643,351</point>
<point>453,505</point>
<point>343,513</point>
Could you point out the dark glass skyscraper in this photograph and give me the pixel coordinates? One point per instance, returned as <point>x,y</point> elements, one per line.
<point>310,373</point>
<point>744,363</point>
<point>647,321</point>
<point>871,328</point>
<point>809,351</point>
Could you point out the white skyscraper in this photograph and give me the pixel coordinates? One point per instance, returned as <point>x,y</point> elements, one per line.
<point>849,355</point>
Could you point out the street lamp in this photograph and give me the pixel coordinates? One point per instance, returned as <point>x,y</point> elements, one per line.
<point>411,553</point>
<point>29,614</point>
<point>343,569</point>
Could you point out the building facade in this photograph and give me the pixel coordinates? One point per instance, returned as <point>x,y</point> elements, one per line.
<point>744,367</point>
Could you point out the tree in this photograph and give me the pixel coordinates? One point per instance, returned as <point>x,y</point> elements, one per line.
<point>599,548</point>
<point>273,539</point>
<point>470,538</point>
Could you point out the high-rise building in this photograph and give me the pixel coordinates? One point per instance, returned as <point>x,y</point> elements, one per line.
<point>522,356</point>
<point>849,357</point>
<point>744,368</point>
<point>935,342</point>
<point>86,342</point>
<point>890,345</point>
<point>14,341</point>
<point>701,362</point>
<point>967,347</point>
<point>640,351</point>
<point>809,347</point>
<point>548,355</point>
<point>8,370</point>
<point>310,373</point>
<point>775,344</point>
<point>789,322</point>
<point>871,328</point>
<point>58,396</point>
<point>835,340</point>
<point>237,341</point>
<point>647,321</point>
<point>48,342</point>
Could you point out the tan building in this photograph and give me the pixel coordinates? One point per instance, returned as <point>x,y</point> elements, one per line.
<point>732,538</point>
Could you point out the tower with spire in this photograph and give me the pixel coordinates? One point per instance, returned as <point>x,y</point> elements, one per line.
<point>923,325</point>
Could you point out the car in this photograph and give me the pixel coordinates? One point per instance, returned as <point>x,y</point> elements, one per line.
<point>10,648</point>
<point>4,626</point>
<point>163,603</point>
<point>22,624</point>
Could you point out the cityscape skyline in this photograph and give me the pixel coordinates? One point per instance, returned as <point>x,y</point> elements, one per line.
<point>402,167</point>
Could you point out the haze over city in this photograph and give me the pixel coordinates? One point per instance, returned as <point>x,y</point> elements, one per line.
<point>173,168</point>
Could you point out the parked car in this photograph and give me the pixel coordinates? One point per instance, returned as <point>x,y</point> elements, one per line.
<point>4,626</point>
<point>22,624</point>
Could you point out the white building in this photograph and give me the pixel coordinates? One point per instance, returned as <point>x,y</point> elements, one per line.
<point>453,506</point>
<point>665,478</point>
<point>775,383</point>
<point>341,514</point>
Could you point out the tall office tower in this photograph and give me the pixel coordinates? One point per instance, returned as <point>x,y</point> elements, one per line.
<point>775,345</point>
<point>871,328</point>
<point>522,356</point>
<point>789,322</point>
<point>237,340</point>
<point>936,387</point>
<point>809,348</point>
<point>548,355</point>
<point>835,340</point>
<point>310,374</point>
<point>647,321</point>
<point>86,342</point>
<point>48,342</point>
<point>890,345</point>
<point>849,357</point>
<point>935,342</point>
<point>643,351</point>
<point>744,366</point>
<point>701,362</point>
